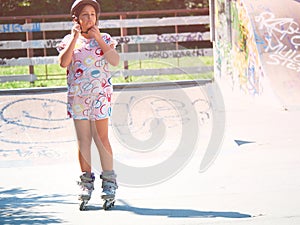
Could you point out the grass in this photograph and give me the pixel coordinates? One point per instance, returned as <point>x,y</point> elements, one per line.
<point>56,76</point>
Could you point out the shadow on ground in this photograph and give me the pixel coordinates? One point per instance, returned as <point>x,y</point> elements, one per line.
<point>178,213</point>
<point>19,206</point>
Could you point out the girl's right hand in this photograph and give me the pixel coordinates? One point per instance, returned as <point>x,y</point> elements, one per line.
<point>76,29</point>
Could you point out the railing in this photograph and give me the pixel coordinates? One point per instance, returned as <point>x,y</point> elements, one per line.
<point>136,47</point>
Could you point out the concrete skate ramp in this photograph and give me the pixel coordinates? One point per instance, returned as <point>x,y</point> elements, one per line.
<point>276,27</point>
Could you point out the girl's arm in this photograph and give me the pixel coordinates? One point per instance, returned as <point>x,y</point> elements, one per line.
<point>110,54</point>
<point>65,56</point>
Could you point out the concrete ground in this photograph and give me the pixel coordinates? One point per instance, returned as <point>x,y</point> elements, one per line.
<point>252,163</point>
<point>184,155</point>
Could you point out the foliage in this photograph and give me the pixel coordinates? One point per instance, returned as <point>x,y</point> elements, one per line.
<point>33,7</point>
<point>47,7</point>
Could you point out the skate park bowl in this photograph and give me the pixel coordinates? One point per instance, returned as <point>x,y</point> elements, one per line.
<point>258,52</point>
<point>232,142</point>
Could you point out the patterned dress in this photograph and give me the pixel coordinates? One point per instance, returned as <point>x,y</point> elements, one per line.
<point>89,79</point>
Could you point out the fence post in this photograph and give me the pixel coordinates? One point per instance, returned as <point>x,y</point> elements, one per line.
<point>124,46</point>
<point>45,51</point>
<point>177,45</point>
<point>138,32</point>
<point>30,53</point>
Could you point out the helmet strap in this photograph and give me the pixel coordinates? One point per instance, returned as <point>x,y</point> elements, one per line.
<point>85,32</point>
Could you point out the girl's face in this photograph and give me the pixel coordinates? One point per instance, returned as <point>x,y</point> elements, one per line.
<point>87,17</point>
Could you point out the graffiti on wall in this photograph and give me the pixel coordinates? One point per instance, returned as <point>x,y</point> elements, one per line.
<point>241,63</point>
<point>222,46</point>
<point>14,28</point>
<point>33,128</point>
<point>281,39</point>
<point>246,62</point>
<point>38,129</point>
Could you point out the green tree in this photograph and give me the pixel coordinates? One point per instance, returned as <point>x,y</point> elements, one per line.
<point>33,7</point>
<point>46,7</point>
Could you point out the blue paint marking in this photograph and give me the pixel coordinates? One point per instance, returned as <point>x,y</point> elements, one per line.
<point>26,114</point>
<point>36,142</point>
<point>24,126</point>
<point>241,142</point>
<point>17,28</point>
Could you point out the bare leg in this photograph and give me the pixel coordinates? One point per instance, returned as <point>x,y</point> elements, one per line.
<point>100,135</point>
<point>84,140</point>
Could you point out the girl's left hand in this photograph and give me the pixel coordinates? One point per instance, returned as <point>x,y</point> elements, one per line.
<point>94,32</point>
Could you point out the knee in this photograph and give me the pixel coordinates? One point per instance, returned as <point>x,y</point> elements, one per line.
<point>104,140</point>
<point>84,142</point>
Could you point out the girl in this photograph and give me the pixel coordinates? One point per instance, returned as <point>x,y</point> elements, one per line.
<point>86,53</point>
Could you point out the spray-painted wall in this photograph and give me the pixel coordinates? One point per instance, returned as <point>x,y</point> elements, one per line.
<point>277,30</point>
<point>258,43</point>
<point>236,54</point>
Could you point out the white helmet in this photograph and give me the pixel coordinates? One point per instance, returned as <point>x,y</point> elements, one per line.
<point>76,5</point>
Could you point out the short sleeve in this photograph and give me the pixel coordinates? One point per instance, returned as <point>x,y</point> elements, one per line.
<point>109,40</point>
<point>63,43</point>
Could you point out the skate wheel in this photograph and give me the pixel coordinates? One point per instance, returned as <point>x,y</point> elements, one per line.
<point>82,206</point>
<point>108,204</point>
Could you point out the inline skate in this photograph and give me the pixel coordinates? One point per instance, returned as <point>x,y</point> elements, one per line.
<point>86,184</point>
<point>109,186</point>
